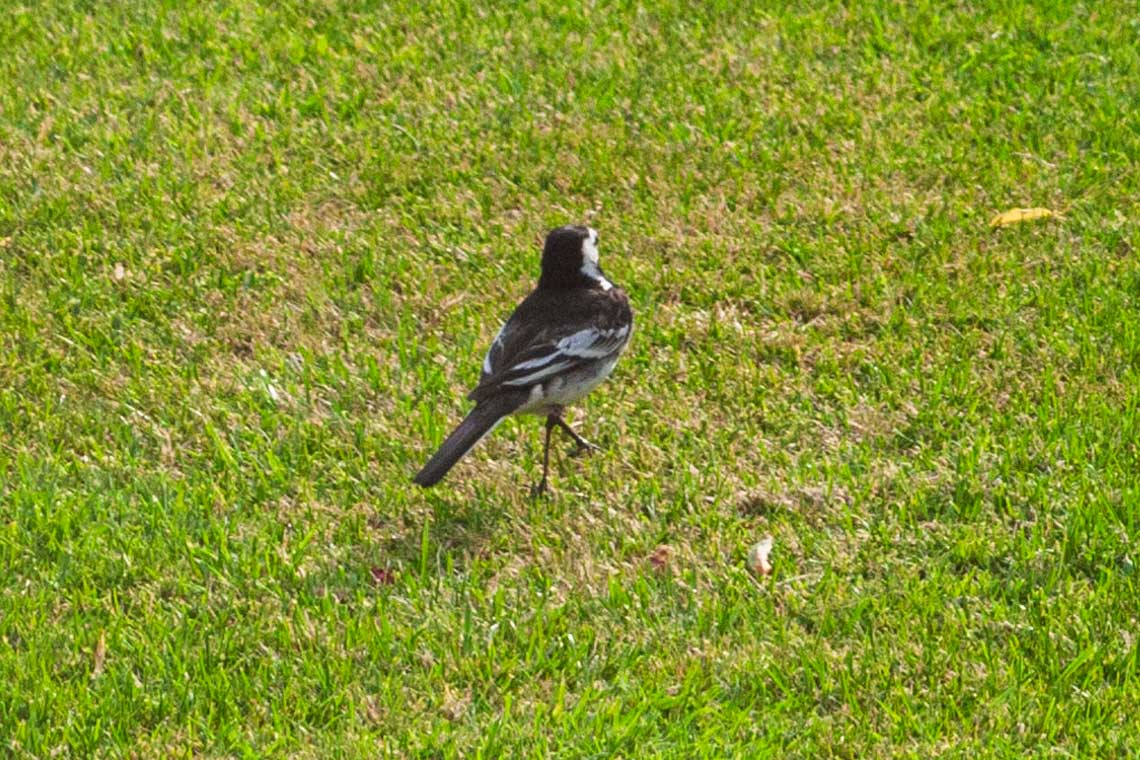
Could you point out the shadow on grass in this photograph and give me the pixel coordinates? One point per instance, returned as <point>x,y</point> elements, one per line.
<point>439,535</point>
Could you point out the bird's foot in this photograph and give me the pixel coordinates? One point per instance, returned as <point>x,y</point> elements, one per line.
<point>540,490</point>
<point>584,447</point>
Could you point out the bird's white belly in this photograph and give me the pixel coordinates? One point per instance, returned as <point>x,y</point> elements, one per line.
<point>563,390</point>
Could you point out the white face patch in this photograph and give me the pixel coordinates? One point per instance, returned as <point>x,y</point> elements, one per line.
<point>590,259</point>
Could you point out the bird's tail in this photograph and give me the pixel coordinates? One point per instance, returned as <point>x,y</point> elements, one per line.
<point>482,419</point>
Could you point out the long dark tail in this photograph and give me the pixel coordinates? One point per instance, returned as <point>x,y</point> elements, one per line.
<point>476,425</point>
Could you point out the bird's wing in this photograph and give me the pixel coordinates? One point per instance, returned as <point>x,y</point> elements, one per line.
<point>520,358</point>
<point>552,354</point>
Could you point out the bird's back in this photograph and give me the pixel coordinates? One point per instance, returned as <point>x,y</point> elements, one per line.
<point>530,336</point>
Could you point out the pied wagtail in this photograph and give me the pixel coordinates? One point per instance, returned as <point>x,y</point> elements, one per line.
<point>557,346</point>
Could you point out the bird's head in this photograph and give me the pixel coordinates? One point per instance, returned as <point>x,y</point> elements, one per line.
<point>570,259</point>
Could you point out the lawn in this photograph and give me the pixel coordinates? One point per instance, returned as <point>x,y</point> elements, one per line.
<point>251,256</point>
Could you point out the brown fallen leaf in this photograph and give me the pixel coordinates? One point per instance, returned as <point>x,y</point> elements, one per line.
<point>382,576</point>
<point>1019,215</point>
<point>758,556</point>
<point>100,654</point>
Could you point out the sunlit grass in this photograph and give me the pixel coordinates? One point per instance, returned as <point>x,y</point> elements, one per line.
<point>250,258</point>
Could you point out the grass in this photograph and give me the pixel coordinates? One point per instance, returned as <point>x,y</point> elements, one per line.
<point>250,256</point>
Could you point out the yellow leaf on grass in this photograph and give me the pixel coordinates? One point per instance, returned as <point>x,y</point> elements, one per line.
<point>1019,215</point>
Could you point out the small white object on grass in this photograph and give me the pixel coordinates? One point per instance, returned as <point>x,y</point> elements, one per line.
<point>758,556</point>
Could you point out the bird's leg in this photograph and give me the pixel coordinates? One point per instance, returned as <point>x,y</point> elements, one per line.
<point>584,446</point>
<point>541,489</point>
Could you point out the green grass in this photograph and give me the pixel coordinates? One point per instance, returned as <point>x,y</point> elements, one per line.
<point>250,257</point>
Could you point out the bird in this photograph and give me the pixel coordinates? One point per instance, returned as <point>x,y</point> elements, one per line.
<point>559,344</point>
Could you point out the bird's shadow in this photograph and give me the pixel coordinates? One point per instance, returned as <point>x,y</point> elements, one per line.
<point>453,531</point>
<point>442,538</point>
